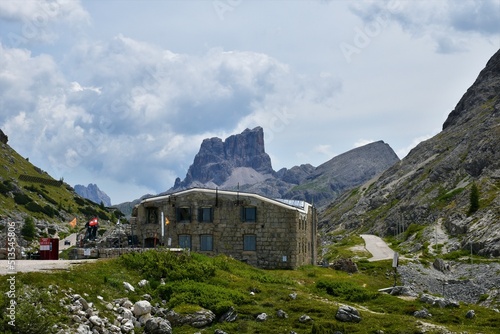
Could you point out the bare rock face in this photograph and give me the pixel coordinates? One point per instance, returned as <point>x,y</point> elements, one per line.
<point>3,137</point>
<point>240,162</point>
<point>93,193</point>
<point>483,90</point>
<point>217,159</point>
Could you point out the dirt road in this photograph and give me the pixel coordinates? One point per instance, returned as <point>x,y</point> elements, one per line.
<point>377,247</point>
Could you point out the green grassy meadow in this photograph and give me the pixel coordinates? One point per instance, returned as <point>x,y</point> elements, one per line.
<point>193,281</point>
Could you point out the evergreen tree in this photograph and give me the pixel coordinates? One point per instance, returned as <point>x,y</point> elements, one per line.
<point>474,199</point>
<point>28,231</point>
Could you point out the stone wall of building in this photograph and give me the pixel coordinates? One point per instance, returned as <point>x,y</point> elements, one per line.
<point>285,237</point>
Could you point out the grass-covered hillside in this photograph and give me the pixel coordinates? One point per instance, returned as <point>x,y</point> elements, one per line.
<point>30,195</point>
<point>307,299</point>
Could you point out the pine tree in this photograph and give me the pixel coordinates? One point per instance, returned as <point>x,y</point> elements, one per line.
<point>474,199</point>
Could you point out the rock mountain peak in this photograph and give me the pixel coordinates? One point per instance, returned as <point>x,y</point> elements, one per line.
<point>240,161</point>
<point>217,159</point>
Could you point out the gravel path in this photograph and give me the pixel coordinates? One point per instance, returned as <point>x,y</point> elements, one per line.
<point>38,265</point>
<point>377,247</point>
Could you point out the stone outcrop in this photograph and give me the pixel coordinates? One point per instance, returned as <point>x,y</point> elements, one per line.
<point>217,159</point>
<point>240,162</point>
<point>347,265</point>
<point>3,137</point>
<point>433,182</point>
<point>93,193</point>
<point>347,313</point>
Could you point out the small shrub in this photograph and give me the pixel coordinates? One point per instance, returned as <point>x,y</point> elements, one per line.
<point>28,231</point>
<point>6,187</point>
<point>169,265</point>
<point>79,201</point>
<point>21,199</point>
<point>345,290</point>
<point>483,297</point>
<point>215,298</point>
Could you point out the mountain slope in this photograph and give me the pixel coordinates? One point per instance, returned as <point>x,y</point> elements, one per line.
<point>240,162</point>
<point>345,171</point>
<point>28,193</point>
<point>432,185</point>
<point>93,193</point>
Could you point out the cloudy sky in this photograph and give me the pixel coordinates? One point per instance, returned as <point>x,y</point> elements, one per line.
<point>122,93</point>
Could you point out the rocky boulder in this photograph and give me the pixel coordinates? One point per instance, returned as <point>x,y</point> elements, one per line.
<point>141,308</point>
<point>157,325</point>
<point>347,265</point>
<point>198,319</point>
<point>347,313</point>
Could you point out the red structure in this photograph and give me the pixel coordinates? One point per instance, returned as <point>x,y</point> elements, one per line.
<point>49,249</point>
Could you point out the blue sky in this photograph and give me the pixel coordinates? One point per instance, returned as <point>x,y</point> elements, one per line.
<point>122,93</point>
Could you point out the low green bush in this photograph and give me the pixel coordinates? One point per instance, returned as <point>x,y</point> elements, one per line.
<point>215,298</point>
<point>345,290</point>
<point>22,199</point>
<point>169,265</point>
<point>6,187</point>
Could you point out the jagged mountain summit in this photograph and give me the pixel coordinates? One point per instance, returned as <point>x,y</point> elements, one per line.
<point>433,185</point>
<point>222,163</point>
<point>240,162</point>
<point>93,193</point>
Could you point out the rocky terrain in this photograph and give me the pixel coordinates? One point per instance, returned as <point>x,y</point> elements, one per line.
<point>432,185</point>
<point>240,162</point>
<point>456,281</point>
<point>93,193</point>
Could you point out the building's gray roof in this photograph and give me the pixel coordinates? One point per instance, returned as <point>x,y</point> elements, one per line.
<point>290,204</point>
<point>293,202</point>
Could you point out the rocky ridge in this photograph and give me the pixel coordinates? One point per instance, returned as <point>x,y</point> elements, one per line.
<point>240,162</point>
<point>432,184</point>
<point>93,193</point>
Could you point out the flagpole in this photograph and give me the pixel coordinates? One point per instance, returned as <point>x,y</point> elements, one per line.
<point>162,223</point>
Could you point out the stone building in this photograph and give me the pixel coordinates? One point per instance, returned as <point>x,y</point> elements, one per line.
<point>264,232</point>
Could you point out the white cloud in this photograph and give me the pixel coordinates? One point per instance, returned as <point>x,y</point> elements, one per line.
<point>135,100</point>
<point>442,21</point>
<point>129,98</point>
<point>29,22</point>
<point>39,12</point>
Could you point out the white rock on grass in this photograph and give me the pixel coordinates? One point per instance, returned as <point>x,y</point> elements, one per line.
<point>128,286</point>
<point>141,307</point>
